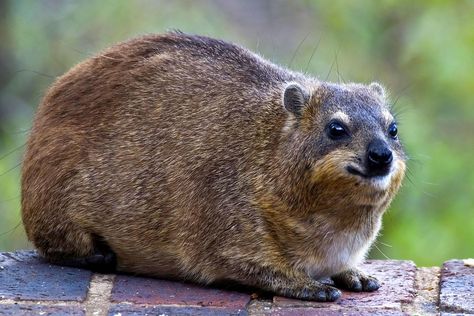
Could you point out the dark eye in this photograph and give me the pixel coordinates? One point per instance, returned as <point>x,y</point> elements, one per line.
<point>336,130</point>
<point>393,130</point>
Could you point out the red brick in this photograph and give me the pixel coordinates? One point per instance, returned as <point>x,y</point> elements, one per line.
<point>457,287</point>
<point>25,276</point>
<point>20,310</point>
<point>398,286</point>
<point>123,309</point>
<point>161,292</point>
<point>311,311</point>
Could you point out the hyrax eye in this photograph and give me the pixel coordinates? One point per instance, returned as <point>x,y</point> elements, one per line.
<point>393,130</point>
<point>336,130</point>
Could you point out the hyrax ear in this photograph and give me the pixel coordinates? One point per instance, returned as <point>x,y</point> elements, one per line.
<point>294,98</point>
<point>378,89</point>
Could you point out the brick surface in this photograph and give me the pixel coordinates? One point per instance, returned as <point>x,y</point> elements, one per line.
<point>457,287</point>
<point>31,286</point>
<point>160,292</point>
<point>311,311</point>
<point>398,287</point>
<point>123,310</point>
<point>29,309</point>
<point>25,276</point>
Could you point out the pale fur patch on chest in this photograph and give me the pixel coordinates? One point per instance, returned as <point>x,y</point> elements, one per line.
<point>342,251</point>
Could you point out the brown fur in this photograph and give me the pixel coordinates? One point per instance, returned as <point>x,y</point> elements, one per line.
<point>176,152</point>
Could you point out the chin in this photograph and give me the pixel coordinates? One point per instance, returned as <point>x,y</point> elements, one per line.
<point>381,183</point>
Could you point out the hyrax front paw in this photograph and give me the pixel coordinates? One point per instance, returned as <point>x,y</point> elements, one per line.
<point>356,281</point>
<point>316,292</point>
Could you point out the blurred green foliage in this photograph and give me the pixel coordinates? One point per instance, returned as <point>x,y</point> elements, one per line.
<point>422,51</point>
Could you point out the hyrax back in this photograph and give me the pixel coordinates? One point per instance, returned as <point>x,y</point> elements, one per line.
<point>188,157</point>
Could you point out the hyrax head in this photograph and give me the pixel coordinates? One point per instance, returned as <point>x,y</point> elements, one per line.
<point>346,136</point>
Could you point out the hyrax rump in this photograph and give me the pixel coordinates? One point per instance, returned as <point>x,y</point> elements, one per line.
<point>190,158</point>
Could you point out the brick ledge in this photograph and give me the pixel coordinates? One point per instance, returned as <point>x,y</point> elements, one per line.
<point>28,285</point>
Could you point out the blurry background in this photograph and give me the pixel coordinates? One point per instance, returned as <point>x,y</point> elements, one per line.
<point>423,51</point>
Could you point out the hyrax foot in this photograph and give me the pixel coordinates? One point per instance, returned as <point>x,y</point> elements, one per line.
<point>309,290</point>
<point>319,293</point>
<point>102,259</point>
<point>300,286</point>
<point>99,262</point>
<point>356,281</point>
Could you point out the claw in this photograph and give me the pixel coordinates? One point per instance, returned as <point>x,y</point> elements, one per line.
<point>356,281</point>
<point>323,293</point>
<point>370,284</point>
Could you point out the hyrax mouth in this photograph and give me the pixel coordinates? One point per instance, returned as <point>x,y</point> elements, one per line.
<point>380,181</point>
<point>356,172</point>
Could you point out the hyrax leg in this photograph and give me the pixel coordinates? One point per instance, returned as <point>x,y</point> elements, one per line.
<point>299,286</point>
<point>59,239</point>
<point>74,247</point>
<point>102,258</point>
<point>50,208</point>
<point>355,280</point>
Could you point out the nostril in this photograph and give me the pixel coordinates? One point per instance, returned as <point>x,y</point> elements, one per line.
<point>388,157</point>
<point>373,157</point>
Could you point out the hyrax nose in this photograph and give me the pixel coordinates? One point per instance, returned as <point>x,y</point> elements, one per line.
<point>379,158</point>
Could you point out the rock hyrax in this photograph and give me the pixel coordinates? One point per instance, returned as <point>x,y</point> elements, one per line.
<point>191,158</point>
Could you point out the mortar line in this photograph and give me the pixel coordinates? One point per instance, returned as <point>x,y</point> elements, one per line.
<point>97,302</point>
<point>10,301</point>
<point>427,286</point>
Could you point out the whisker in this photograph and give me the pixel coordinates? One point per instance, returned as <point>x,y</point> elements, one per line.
<point>257,45</point>
<point>383,254</point>
<point>21,131</point>
<point>330,70</point>
<point>12,168</point>
<point>386,245</point>
<point>35,72</point>
<point>400,93</point>
<point>312,55</point>
<point>11,151</point>
<point>339,75</point>
<point>11,230</point>
<point>297,49</point>
<point>11,199</point>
